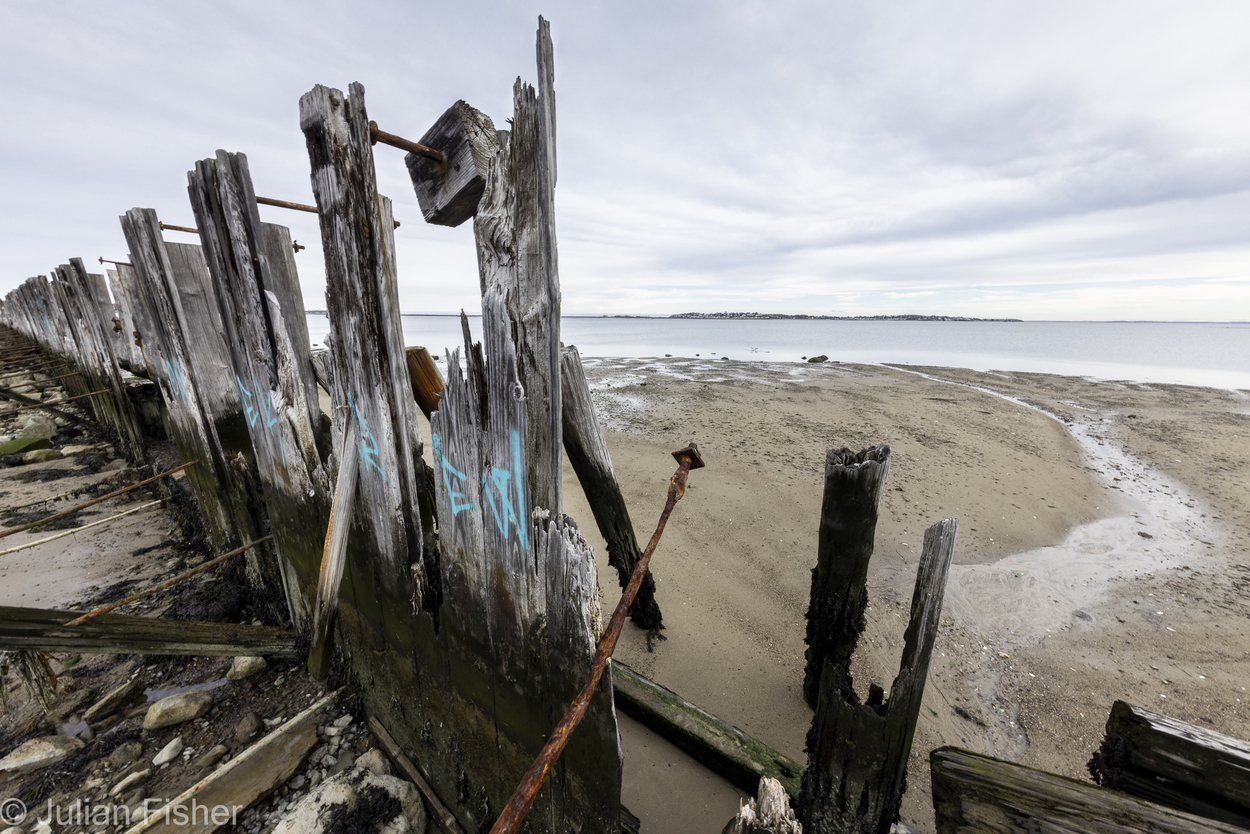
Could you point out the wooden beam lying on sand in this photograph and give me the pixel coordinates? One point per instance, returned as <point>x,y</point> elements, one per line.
<point>36,628</point>
<point>976,794</point>
<point>1173,763</point>
<point>717,744</point>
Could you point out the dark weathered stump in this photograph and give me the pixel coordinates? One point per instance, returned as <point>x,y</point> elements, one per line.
<point>848,521</point>
<point>857,753</point>
<point>976,794</point>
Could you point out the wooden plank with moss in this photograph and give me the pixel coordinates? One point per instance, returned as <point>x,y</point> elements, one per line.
<point>722,747</point>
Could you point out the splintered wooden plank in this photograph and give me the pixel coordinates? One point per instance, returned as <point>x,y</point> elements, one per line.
<point>45,630</point>
<point>516,241</point>
<point>448,194</point>
<point>724,748</point>
<point>128,354</point>
<point>1174,763</point>
<point>977,794</point>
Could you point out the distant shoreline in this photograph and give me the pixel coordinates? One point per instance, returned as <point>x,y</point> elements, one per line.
<point>906,317</point>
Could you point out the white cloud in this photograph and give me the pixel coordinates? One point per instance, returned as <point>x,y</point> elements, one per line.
<point>779,156</point>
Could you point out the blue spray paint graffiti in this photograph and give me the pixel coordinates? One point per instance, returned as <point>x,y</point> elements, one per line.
<point>498,485</point>
<point>368,453</point>
<point>457,506</point>
<point>251,413</point>
<point>176,385</point>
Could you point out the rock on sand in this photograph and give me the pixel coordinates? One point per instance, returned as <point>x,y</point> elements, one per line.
<point>356,794</point>
<point>38,753</point>
<point>185,706</point>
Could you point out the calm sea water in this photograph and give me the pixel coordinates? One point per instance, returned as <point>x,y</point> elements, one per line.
<point>1210,354</point>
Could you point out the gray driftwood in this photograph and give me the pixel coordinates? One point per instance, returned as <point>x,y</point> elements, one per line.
<point>976,794</point>
<point>848,522</point>
<point>857,753</point>
<point>1174,763</point>
<point>587,452</point>
<point>449,193</point>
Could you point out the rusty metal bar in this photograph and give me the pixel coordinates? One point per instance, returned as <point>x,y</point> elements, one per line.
<point>376,135</point>
<point>84,505</point>
<point>53,402</point>
<point>268,201</point>
<point>168,583</point>
<point>105,260</point>
<point>172,228</point>
<point>523,797</point>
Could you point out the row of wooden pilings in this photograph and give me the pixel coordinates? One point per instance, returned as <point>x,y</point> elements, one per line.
<point>467,607</point>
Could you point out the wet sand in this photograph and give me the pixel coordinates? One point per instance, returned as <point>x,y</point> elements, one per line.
<point>1096,556</point>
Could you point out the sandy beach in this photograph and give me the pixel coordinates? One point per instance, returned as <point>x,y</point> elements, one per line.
<point>1100,555</point>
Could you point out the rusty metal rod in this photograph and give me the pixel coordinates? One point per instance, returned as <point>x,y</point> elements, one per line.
<point>62,535</point>
<point>267,201</point>
<point>376,135</point>
<point>87,504</point>
<point>171,227</point>
<point>53,402</point>
<point>168,583</point>
<point>523,797</point>
<point>105,260</point>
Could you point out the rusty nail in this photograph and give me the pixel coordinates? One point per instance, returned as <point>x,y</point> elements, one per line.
<point>376,135</point>
<point>523,797</point>
<point>105,260</point>
<point>295,245</point>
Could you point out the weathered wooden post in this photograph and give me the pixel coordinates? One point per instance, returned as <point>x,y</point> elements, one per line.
<point>170,358</point>
<point>857,753</point>
<point>506,614</point>
<point>261,313</point>
<point>848,522</point>
<point>588,454</point>
<point>98,361</point>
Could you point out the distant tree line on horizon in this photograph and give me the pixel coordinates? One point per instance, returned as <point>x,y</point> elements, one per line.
<point>905,317</point>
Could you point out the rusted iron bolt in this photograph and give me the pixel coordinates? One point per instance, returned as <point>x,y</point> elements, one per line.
<point>376,135</point>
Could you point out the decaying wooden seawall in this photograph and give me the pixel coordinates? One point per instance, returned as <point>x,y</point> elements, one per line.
<point>457,595</point>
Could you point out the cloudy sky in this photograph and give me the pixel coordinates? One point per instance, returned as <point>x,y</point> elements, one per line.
<point>1059,160</point>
